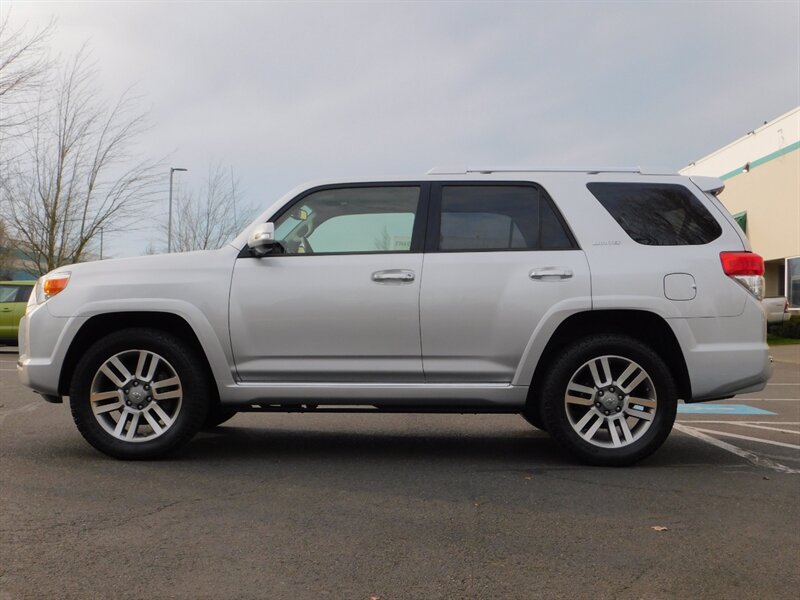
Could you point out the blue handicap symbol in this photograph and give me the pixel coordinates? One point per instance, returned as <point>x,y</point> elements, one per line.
<point>721,409</point>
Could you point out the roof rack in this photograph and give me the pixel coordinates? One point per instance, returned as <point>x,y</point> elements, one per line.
<point>466,170</point>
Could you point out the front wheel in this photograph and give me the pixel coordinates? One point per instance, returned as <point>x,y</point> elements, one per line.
<point>609,400</point>
<point>139,393</point>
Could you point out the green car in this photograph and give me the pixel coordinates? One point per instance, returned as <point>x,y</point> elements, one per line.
<point>13,298</point>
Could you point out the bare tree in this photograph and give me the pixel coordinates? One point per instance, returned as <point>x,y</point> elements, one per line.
<point>209,218</point>
<point>75,173</point>
<point>23,60</point>
<point>6,253</point>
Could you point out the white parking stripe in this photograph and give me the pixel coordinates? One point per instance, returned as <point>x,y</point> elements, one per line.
<point>754,426</point>
<point>748,438</point>
<point>751,457</point>
<point>753,422</point>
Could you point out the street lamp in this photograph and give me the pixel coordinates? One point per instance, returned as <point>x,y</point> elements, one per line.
<point>169,222</point>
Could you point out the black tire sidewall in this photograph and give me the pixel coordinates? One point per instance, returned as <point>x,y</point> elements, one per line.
<point>574,357</point>
<point>194,404</point>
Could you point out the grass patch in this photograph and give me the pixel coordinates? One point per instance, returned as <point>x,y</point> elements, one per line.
<point>774,340</point>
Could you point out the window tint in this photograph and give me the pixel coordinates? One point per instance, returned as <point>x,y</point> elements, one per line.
<point>8,293</point>
<point>363,219</point>
<point>500,217</point>
<point>24,293</point>
<point>657,214</point>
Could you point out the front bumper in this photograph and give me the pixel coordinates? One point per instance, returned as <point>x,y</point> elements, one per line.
<point>43,344</point>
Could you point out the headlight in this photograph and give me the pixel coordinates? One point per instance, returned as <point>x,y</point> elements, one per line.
<point>48,286</point>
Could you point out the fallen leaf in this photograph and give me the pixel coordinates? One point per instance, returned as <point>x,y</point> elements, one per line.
<point>660,528</point>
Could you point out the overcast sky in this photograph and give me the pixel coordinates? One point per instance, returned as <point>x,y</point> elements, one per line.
<point>290,92</point>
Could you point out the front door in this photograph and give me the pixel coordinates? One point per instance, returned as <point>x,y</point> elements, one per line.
<point>339,300</point>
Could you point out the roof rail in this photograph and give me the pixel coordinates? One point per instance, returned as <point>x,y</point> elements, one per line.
<point>466,170</point>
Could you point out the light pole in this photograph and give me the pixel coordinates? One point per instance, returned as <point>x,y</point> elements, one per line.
<point>169,221</point>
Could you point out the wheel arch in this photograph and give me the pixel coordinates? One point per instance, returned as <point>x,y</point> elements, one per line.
<point>101,324</point>
<point>645,326</point>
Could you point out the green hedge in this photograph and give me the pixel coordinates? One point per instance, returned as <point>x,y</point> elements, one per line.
<point>788,329</point>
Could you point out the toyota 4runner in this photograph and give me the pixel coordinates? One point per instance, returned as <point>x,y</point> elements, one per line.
<point>588,301</point>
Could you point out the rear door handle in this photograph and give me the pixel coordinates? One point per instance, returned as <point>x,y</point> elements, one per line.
<point>393,276</point>
<point>550,273</point>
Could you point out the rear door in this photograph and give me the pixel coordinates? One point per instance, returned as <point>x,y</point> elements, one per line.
<point>499,258</point>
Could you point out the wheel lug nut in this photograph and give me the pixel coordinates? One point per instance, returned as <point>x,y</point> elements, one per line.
<point>619,408</point>
<point>128,402</point>
<point>147,387</point>
<point>135,383</point>
<point>140,406</point>
<point>126,390</point>
<point>608,412</point>
<point>597,404</point>
<point>149,398</point>
<point>611,390</point>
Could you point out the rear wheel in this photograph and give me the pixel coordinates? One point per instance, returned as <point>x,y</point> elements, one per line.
<point>217,415</point>
<point>533,415</point>
<point>609,400</point>
<point>139,393</point>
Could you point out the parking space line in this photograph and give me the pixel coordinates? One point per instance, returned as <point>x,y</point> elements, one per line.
<point>751,457</point>
<point>748,438</point>
<point>754,426</point>
<point>749,422</point>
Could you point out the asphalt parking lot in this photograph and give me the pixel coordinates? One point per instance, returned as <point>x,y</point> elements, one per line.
<point>404,506</point>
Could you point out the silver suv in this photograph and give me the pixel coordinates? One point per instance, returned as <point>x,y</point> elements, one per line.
<point>587,301</point>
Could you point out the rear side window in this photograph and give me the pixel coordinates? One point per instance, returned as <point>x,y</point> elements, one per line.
<point>498,217</point>
<point>657,214</point>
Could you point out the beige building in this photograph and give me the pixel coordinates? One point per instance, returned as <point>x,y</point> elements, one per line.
<point>762,190</point>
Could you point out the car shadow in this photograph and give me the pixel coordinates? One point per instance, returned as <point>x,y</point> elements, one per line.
<point>507,450</point>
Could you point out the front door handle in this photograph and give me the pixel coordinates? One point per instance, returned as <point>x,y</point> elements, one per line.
<point>6,310</point>
<point>550,273</point>
<point>393,276</point>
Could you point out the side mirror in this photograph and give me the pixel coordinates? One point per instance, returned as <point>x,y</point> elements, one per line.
<point>262,239</point>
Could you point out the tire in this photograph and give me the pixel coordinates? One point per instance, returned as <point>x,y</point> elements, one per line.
<point>153,379</point>
<point>217,415</point>
<point>611,420</point>
<point>534,417</point>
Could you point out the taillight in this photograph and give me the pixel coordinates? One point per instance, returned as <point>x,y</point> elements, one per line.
<point>747,269</point>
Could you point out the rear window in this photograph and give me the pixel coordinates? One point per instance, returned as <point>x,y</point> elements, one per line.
<point>657,214</point>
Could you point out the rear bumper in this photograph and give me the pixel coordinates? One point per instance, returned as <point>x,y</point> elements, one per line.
<point>725,356</point>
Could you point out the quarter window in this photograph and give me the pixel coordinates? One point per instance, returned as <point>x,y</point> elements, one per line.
<point>498,217</point>
<point>657,214</point>
<point>350,220</point>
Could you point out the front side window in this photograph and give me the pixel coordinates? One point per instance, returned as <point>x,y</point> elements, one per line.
<point>8,293</point>
<point>657,214</point>
<point>350,220</point>
<point>498,217</point>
